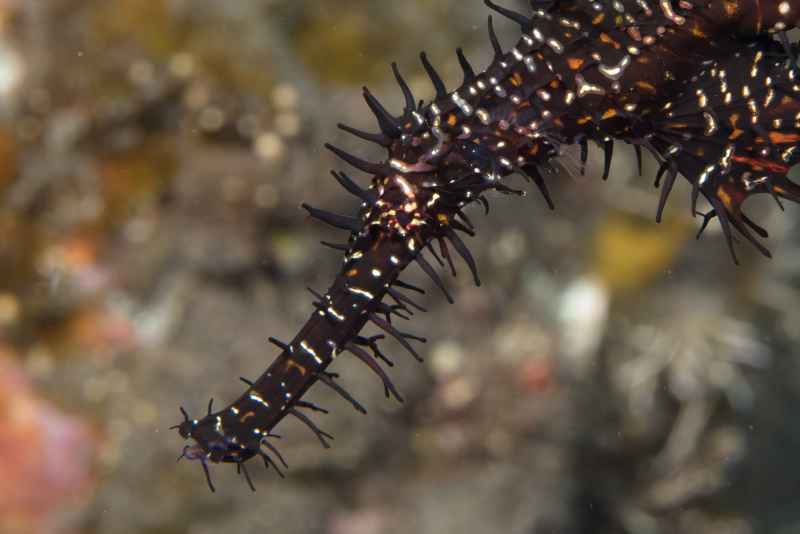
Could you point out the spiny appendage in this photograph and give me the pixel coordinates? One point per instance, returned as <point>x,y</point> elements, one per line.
<point>243,430</point>
<point>410,208</point>
<point>451,152</point>
<point>698,136</point>
<point>487,125</point>
<point>492,153</point>
<point>734,134</point>
<point>215,447</point>
<point>373,260</point>
<point>514,116</point>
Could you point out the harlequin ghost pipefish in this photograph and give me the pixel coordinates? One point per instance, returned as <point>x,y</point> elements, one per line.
<point>710,89</point>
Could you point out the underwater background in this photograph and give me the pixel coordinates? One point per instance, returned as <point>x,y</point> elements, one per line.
<point>611,376</point>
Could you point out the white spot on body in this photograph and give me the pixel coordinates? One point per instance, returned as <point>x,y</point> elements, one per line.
<point>257,398</point>
<point>615,72</point>
<point>702,99</point>
<point>711,123</point>
<point>706,174</point>
<point>769,98</point>
<point>666,7</point>
<point>586,88</point>
<point>530,64</point>
<point>399,165</point>
<point>361,292</point>
<point>307,348</point>
<point>555,45</point>
<point>338,316</point>
<point>465,107</point>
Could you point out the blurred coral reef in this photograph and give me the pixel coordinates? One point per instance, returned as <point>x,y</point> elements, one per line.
<point>612,375</point>
<point>47,457</point>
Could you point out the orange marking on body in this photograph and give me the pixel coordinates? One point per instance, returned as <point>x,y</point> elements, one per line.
<point>724,197</point>
<point>583,120</point>
<point>575,63</point>
<point>598,19</point>
<point>734,118</point>
<point>609,114</point>
<point>698,32</point>
<point>759,20</point>
<point>604,37</point>
<point>735,133</point>
<point>558,122</point>
<point>352,272</point>
<point>554,84</point>
<point>452,119</point>
<point>761,164</point>
<point>784,191</point>
<point>780,138</point>
<point>646,86</point>
<point>247,416</point>
<point>516,79</point>
<point>291,364</point>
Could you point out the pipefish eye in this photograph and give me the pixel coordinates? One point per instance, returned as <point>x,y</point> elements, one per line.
<point>186,426</point>
<point>185,430</point>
